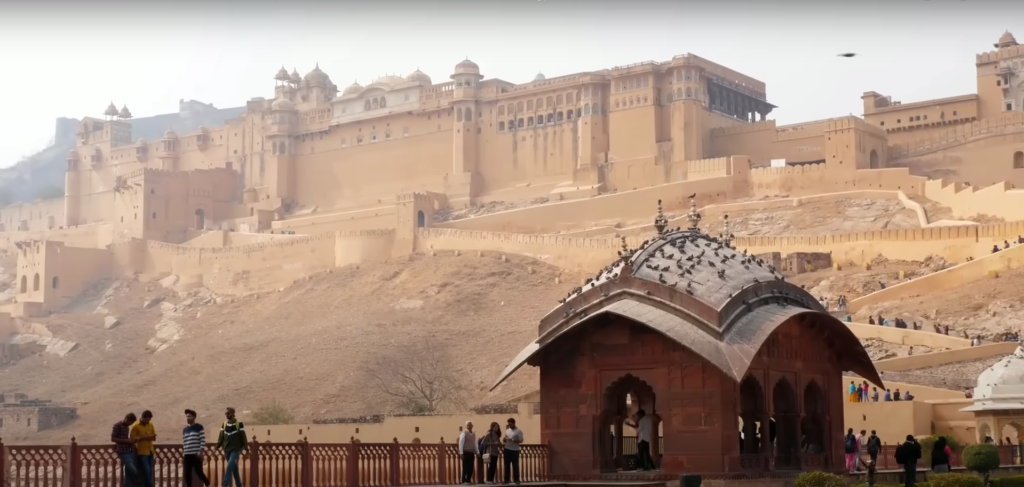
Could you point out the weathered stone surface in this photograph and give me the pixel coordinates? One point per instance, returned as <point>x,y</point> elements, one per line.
<point>110,322</point>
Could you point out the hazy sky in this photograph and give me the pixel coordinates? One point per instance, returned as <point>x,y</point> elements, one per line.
<point>59,59</point>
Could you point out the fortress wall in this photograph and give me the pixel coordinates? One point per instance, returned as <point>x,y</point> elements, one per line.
<point>707,168</point>
<point>999,200</point>
<point>811,179</point>
<point>581,254</point>
<point>935,140</point>
<point>933,359</point>
<point>903,336</point>
<point>636,204</point>
<point>365,219</point>
<point>363,246</point>
<point>1012,258</point>
<point>90,236</point>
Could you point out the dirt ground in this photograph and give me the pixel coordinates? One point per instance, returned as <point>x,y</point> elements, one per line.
<point>308,347</point>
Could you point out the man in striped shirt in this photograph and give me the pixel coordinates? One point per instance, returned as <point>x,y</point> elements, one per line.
<point>193,439</point>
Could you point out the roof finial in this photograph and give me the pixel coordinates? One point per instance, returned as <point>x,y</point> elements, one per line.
<point>625,250</point>
<point>726,235</point>
<point>693,216</point>
<point>660,222</point>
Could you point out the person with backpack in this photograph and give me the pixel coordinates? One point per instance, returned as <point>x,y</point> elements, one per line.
<point>940,456</point>
<point>851,451</point>
<point>907,455</point>
<point>232,441</point>
<point>874,446</point>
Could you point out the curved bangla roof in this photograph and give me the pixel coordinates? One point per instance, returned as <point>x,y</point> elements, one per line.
<point>702,293</point>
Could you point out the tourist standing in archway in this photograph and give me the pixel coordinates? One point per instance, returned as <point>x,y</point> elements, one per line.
<point>643,441</point>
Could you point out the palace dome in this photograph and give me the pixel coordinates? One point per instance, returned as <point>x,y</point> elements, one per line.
<point>389,81</point>
<point>295,78</point>
<point>316,76</point>
<point>418,77</point>
<point>282,74</point>
<point>169,134</point>
<point>282,104</point>
<point>111,110</point>
<point>1006,40</point>
<point>703,293</point>
<point>467,67</point>
<point>539,77</point>
<point>353,89</point>
<point>1001,386</point>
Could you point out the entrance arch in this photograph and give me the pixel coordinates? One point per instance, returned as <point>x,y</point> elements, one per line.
<point>200,219</point>
<point>812,427</point>
<point>874,159</point>
<point>615,411</point>
<point>421,219</point>
<point>786,414</point>
<point>1018,160</point>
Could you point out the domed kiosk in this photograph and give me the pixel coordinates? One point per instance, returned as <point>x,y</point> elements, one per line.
<point>999,398</point>
<point>705,339</point>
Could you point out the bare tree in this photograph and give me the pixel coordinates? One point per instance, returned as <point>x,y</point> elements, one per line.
<point>419,378</point>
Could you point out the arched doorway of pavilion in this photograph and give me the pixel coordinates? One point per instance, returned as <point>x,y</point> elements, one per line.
<point>812,426</point>
<point>616,445</point>
<point>757,429</point>
<point>787,416</point>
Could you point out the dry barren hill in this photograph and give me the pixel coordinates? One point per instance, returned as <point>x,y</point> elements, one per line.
<point>308,346</point>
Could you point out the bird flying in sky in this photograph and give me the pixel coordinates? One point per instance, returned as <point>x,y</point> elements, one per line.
<point>848,54</point>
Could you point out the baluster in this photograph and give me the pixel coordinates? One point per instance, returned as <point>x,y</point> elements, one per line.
<point>442,463</point>
<point>254,463</point>
<point>307,464</point>
<point>352,467</point>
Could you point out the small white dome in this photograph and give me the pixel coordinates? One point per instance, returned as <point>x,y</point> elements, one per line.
<point>1007,372</point>
<point>282,104</point>
<point>539,77</point>
<point>418,77</point>
<point>353,89</point>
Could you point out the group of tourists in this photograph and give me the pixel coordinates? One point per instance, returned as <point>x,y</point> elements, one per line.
<point>859,393</point>
<point>493,444</point>
<point>907,454</point>
<point>133,439</point>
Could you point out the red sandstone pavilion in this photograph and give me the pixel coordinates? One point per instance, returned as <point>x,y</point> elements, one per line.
<point>705,339</point>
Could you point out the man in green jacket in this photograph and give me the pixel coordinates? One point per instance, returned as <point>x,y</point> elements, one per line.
<point>232,440</point>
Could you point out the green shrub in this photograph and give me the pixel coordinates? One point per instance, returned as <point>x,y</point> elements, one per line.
<point>954,480</point>
<point>1014,481</point>
<point>982,458</point>
<point>928,442</point>
<point>819,479</point>
<point>272,413</point>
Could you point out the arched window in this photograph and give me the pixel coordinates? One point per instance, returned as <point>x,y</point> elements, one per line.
<point>519,107</point>
<point>540,104</point>
<point>551,118</point>
<point>540,119</point>
<point>421,219</point>
<point>35,282</point>
<point>558,100</point>
<point>501,110</point>
<point>511,124</point>
<point>366,105</point>
<point>501,126</point>
<point>616,103</point>
<point>873,160</point>
<point>200,217</point>
<point>560,116</point>
<point>458,115</point>
<point>529,105</point>
<point>511,109</point>
<point>586,109</point>
<point>24,284</point>
<point>1018,160</point>
<point>469,115</point>
<point>519,123</point>
<point>55,282</point>
<point>376,103</point>
<point>689,92</point>
<point>570,114</point>
<point>383,102</point>
<point>630,101</point>
<point>529,122</point>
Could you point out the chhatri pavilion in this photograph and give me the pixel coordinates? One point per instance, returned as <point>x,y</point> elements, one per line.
<point>712,343</point>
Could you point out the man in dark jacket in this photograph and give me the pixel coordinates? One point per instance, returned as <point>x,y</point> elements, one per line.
<point>874,444</point>
<point>232,440</point>
<point>907,455</point>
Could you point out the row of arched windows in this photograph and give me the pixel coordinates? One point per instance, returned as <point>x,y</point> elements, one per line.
<point>551,118</point>
<point>633,83</point>
<point>468,115</point>
<point>55,282</point>
<point>375,103</point>
<point>279,148</point>
<point>631,101</point>
<point>538,104</point>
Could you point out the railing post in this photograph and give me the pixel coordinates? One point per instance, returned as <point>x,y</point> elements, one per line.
<point>394,462</point>
<point>254,463</point>
<point>546,468</point>
<point>442,465</point>
<point>72,465</point>
<point>352,469</point>
<point>3,464</point>
<point>307,463</point>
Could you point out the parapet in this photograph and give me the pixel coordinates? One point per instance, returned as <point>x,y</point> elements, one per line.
<point>856,123</point>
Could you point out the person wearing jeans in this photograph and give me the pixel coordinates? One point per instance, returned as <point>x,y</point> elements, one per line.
<point>124,444</point>
<point>232,441</point>
<point>144,433</point>
<point>513,438</point>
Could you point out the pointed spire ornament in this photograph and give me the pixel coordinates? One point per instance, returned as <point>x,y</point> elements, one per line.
<point>660,222</point>
<point>625,249</point>
<point>726,236</point>
<point>693,215</point>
